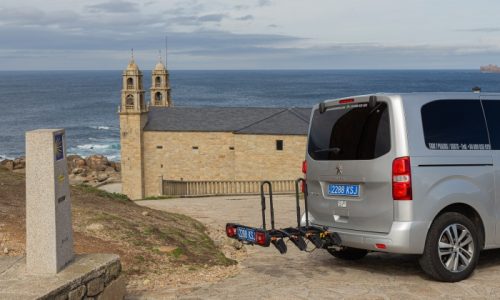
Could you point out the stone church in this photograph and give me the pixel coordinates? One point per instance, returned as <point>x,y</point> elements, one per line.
<point>169,150</point>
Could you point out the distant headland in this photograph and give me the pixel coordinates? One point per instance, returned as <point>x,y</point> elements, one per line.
<point>490,69</point>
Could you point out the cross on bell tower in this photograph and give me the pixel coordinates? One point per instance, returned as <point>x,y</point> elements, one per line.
<point>160,86</point>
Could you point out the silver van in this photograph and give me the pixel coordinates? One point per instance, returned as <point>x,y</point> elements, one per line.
<point>414,173</point>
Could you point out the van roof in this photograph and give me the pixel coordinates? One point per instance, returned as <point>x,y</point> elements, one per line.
<point>449,95</point>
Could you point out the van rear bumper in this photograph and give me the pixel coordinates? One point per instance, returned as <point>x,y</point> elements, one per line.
<point>404,237</point>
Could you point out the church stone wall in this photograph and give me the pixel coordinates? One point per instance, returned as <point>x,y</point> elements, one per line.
<point>196,156</point>
<point>174,156</point>
<point>257,158</point>
<point>131,154</point>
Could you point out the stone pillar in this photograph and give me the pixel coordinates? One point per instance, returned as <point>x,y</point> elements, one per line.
<point>49,235</point>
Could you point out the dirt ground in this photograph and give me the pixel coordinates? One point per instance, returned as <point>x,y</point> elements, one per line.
<point>264,273</point>
<point>155,247</point>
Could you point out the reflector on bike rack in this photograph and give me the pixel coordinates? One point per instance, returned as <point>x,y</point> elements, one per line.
<point>319,236</point>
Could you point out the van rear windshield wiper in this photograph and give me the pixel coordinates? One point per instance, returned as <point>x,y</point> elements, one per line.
<point>335,150</point>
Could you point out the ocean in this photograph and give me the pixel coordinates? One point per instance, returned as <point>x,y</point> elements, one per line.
<point>85,103</point>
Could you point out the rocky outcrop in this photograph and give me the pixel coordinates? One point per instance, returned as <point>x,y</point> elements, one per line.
<point>16,164</point>
<point>94,170</point>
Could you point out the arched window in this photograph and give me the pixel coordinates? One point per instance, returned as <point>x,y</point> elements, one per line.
<point>158,98</point>
<point>130,83</point>
<point>129,101</point>
<point>158,81</point>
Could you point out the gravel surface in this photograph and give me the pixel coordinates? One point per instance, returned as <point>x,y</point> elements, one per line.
<point>299,275</point>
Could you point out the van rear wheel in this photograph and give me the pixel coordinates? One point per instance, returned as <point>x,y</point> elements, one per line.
<point>451,249</point>
<point>348,253</point>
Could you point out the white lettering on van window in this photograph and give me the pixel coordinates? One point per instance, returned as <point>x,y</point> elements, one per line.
<point>443,146</point>
<point>456,146</point>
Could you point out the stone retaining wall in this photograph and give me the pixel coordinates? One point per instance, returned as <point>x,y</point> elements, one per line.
<point>89,276</point>
<point>102,283</point>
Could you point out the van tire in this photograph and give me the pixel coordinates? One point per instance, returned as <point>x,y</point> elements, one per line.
<point>348,253</point>
<point>431,262</point>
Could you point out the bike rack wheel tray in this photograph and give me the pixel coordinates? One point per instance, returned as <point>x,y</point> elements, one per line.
<point>319,236</point>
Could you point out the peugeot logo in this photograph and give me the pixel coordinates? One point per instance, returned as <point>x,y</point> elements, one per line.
<point>340,169</point>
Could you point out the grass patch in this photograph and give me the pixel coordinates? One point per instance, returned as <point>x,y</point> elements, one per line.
<point>177,253</point>
<point>95,191</point>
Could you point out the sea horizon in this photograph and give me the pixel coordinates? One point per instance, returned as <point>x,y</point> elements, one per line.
<point>196,70</point>
<point>85,102</point>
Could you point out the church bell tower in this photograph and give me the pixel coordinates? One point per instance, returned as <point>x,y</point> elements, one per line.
<point>160,86</point>
<point>133,118</point>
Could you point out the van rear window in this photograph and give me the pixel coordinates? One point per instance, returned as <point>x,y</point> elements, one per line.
<point>351,132</point>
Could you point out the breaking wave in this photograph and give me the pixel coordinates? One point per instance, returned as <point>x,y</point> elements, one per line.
<point>103,127</point>
<point>4,157</point>
<point>99,147</point>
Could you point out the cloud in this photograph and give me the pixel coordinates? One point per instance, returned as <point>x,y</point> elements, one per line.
<point>483,29</point>
<point>272,26</point>
<point>264,3</point>
<point>211,18</point>
<point>113,6</point>
<point>33,17</point>
<point>245,18</point>
<point>241,7</point>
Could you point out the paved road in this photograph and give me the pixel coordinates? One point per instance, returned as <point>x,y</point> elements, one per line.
<point>318,275</point>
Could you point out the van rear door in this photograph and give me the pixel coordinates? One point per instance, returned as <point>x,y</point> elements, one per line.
<point>349,163</point>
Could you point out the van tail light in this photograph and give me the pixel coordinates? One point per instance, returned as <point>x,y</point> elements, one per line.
<point>304,170</point>
<point>401,179</point>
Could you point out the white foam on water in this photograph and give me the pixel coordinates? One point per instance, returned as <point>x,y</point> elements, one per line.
<point>102,127</point>
<point>4,157</point>
<point>93,146</point>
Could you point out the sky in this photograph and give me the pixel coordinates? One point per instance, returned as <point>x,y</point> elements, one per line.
<point>251,34</point>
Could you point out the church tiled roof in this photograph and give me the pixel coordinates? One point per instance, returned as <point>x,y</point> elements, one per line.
<point>240,120</point>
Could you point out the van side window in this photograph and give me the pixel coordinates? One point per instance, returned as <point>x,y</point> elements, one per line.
<point>348,132</point>
<point>454,125</point>
<point>492,112</point>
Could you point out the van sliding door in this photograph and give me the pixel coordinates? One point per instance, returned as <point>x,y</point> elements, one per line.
<point>491,106</point>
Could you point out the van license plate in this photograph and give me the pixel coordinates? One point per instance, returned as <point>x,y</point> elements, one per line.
<point>349,190</point>
<point>246,234</point>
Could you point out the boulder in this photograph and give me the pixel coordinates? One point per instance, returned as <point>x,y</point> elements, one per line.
<point>118,167</point>
<point>78,171</point>
<point>102,177</point>
<point>97,162</point>
<point>75,161</point>
<point>19,163</point>
<point>8,164</point>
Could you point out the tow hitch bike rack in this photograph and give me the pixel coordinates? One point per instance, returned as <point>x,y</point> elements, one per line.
<point>319,236</point>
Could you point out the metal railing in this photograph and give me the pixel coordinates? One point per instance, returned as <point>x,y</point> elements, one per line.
<point>207,188</point>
